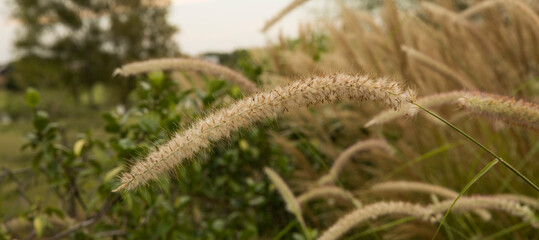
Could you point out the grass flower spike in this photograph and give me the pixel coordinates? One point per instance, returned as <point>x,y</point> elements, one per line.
<point>187,64</point>
<point>431,213</point>
<point>511,207</point>
<point>410,110</point>
<point>328,191</point>
<point>371,212</point>
<point>222,123</point>
<point>407,186</point>
<point>292,204</point>
<point>348,153</point>
<point>293,5</point>
<point>496,107</point>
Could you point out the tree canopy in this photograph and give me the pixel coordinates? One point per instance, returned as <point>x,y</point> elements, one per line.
<point>82,41</point>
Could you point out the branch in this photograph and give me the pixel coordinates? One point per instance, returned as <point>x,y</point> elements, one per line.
<point>109,202</point>
<point>20,188</point>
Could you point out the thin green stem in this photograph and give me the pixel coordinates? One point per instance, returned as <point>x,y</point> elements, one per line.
<point>285,230</point>
<point>481,146</point>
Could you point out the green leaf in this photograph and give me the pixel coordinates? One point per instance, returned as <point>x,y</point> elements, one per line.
<point>112,125</point>
<point>235,92</point>
<point>77,148</point>
<point>41,120</point>
<point>112,173</point>
<point>52,210</point>
<point>126,144</point>
<point>181,201</point>
<point>32,97</point>
<point>150,122</point>
<point>214,86</point>
<point>257,201</point>
<point>244,145</point>
<point>156,78</point>
<point>39,225</point>
<point>218,225</point>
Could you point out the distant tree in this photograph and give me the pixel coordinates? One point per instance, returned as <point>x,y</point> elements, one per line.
<point>82,41</point>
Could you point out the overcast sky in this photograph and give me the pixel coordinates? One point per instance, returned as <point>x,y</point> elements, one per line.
<point>205,25</point>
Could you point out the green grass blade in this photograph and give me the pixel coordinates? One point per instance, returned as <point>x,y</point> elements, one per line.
<point>505,231</point>
<point>468,185</point>
<point>285,230</point>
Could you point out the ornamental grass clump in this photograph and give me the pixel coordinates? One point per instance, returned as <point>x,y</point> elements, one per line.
<point>180,64</point>
<point>220,124</point>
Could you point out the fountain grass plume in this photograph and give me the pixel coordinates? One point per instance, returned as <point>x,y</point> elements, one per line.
<point>431,213</point>
<point>220,124</point>
<point>179,64</point>
<point>292,203</point>
<point>408,186</point>
<point>532,202</point>
<point>496,107</point>
<point>348,153</point>
<point>509,206</point>
<point>490,106</point>
<point>410,109</point>
<point>328,191</point>
<point>293,5</point>
<point>372,212</point>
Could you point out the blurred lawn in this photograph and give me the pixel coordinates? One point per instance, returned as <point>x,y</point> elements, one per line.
<point>74,119</point>
<point>11,140</point>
